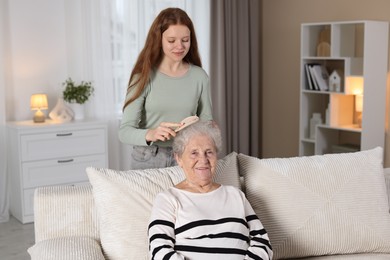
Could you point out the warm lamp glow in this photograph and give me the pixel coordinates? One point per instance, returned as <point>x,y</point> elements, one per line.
<point>359,103</point>
<point>354,85</point>
<point>39,102</point>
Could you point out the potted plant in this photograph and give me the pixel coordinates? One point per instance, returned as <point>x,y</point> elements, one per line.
<point>77,95</point>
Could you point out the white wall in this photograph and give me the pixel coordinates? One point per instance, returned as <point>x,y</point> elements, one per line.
<point>46,47</point>
<point>37,51</point>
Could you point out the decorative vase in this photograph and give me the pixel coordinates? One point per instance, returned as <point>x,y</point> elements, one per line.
<point>314,121</point>
<point>61,112</point>
<point>78,110</point>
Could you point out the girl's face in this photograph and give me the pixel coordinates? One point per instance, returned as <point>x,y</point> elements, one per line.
<point>176,42</point>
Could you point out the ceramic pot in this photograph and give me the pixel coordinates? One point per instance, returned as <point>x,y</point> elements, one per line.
<point>78,110</point>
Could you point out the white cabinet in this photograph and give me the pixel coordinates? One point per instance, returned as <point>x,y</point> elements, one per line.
<point>45,154</point>
<point>355,54</point>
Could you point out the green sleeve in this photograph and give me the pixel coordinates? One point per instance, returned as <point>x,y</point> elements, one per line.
<point>129,131</point>
<point>205,104</point>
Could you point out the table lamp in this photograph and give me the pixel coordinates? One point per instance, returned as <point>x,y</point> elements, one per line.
<point>357,90</point>
<point>359,108</point>
<point>38,102</point>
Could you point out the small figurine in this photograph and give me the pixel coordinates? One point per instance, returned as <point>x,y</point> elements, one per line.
<point>335,81</point>
<point>61,112</point>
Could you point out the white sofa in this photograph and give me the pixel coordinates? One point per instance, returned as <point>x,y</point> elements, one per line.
<point>332,206</point>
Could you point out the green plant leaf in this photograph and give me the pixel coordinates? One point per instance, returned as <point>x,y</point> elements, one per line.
<point>77,93</point>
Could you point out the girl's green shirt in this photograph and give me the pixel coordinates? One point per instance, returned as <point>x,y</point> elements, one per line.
<point>166,99</point>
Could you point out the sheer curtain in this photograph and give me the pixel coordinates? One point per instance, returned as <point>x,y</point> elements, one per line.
<point>88,34</point>
<point>4,215</point>
<point>235,73</point>
<point>100,63</point>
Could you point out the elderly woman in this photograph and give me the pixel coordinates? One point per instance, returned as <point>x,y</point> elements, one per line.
<point>201,219</point>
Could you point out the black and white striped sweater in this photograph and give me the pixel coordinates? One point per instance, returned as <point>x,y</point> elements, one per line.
<point>220,224</point>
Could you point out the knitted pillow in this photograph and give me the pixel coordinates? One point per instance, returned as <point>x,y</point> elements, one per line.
<point>320,205</point>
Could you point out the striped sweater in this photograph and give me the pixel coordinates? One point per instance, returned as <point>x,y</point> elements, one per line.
<point>220,224</point>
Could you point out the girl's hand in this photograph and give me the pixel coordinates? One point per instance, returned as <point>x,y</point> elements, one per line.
<point>165,131</point>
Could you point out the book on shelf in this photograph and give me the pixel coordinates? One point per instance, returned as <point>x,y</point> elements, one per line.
<point>308,78</point>
<point>317,77</point>
<point>316,86</point>
<point>321,75</point>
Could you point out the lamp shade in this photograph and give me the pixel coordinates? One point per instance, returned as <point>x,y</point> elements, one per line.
<point>38,102</point>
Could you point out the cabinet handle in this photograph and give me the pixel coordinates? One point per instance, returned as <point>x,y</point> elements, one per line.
<point>67,134</point>
<point>65,161</point>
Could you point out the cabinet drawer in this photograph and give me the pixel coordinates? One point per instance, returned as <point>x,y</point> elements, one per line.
<point>61,171</point>
<point>62,144</point>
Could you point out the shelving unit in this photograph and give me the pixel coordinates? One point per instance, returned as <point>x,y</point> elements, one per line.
<point>359,51</point>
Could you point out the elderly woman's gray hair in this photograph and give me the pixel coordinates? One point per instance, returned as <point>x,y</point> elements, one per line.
<point>207,128</point>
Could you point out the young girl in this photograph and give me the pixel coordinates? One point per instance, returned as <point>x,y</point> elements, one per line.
<point>167,84</point>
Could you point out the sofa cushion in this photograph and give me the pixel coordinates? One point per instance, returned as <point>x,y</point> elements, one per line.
<point>124,200</point>
<point>320,205</point>
<point>66,248</point>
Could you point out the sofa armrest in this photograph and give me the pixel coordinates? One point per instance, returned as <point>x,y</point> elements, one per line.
<point>65,211</point>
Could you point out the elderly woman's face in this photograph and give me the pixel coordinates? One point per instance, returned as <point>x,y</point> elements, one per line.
<point>199,159</point>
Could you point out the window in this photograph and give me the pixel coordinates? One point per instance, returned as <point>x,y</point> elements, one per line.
<point>131,20</point>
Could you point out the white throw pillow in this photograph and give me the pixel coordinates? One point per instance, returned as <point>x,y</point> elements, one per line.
<point>124,201</point>
<point>320,205</point>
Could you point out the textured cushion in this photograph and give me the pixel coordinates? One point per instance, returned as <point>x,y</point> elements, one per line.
<point>124,200</point>
<point>66,211</point>
<point>66,248</point>
<point>320,205</point>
